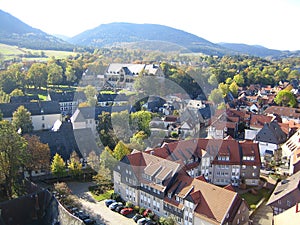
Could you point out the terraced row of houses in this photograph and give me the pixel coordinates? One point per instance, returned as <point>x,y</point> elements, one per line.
<point>152,182</point>
<point>179,180</point>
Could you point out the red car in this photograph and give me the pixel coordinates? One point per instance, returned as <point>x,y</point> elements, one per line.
<point>146,212</point>
<point>126,211</point>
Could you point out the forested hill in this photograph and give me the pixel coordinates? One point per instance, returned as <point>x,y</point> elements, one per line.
<point>260,51</point>
<point>155,36</point>
<point>15,32</point>
<point>129,35</point>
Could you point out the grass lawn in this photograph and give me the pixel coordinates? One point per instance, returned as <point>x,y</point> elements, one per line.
<point>104,196</point>
<point>10,52</point>
<point>253,199</point>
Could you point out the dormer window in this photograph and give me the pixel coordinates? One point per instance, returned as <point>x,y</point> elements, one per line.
<point>169,195</point>
<point>223,158</point>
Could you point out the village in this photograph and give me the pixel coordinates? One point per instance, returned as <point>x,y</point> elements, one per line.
<point>200,164</point>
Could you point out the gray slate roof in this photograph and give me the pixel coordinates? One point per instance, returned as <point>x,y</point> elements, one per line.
<point>285,187</point>
<point>271,133</point>
<point>62,141</point>
<point>35,108</point>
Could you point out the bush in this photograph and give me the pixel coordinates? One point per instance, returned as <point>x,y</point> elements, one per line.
<point>142,209</point>
<point>151,215</point>
<point>116,197</point>
<point>252,207</point>
<point>136,208</point>
<point>129,205</point>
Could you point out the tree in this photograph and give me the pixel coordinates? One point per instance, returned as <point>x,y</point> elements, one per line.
<point>58,166</point>
<point>137,140</point>
<point>55,74</point>
<point>93,161</point>
<point>7,82</point>
<point>121,150</point>
<point>70,75</point>
<point>239,79</point>
<point>233,88</point>
<point>140,121</point>
<point>167,221</point>
<point>223,88</point>
<point>17,92</point>
<point>285,98</point>
<point>120,124</point>
<point>37,154</point>
<point>22,120</point>
<point>103,176</point>
<point>37,75</point>
<point>106,133</point>
<point>216,96</point>
<point>74,166</point>
<point>90,93</point>
<point>107,159</point>
<point>12,151</point>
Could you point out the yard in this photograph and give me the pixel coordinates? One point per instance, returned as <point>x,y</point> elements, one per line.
<point>254,197</point>
<point>102,191</point>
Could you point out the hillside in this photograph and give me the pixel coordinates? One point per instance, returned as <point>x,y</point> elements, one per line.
<point>14,32</point>
<point>259,51</point>
<point>152,37</point>
<point>158,36</point>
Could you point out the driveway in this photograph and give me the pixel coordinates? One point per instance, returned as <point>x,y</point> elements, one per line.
<point>98,210</point>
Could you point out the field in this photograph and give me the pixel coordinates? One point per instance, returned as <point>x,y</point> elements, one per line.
<point>8,52</point>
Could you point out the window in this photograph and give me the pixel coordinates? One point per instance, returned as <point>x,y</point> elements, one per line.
<point>288,203</point>
<point>43,118</point>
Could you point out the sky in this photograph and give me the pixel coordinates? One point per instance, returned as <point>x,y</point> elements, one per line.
<point>271,23</point>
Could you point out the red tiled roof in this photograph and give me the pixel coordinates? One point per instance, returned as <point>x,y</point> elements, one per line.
<point>212,202</point>
<point>259,121</point>
<point>283,111</point>
<point>229,187</point>
<point>201,178</point>
<point>249,148</point>
<point>171,118</point>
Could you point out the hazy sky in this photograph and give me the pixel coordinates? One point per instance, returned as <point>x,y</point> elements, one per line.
<point>271,23</point>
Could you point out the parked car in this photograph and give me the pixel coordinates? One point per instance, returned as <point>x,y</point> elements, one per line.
<point>89,221</point>
<point>74,210</point>
<point>142,221</point>
<point>119,208</point>
<point>108,202</point>
<point>114,205</point>
<point>126,211</point>
<point>82,215</point>
<point>136,217</point>
<point>146,212</point>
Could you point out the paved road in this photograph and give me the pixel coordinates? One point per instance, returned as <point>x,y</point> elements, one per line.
<point>263,215</point>
<point>98,210</point>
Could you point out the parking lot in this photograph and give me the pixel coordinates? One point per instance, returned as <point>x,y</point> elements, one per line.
<point>98,210</point>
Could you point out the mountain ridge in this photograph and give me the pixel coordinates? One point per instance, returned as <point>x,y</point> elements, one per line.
<point>122,32</point>
<point>15,32</point>
<point>130,35</point>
